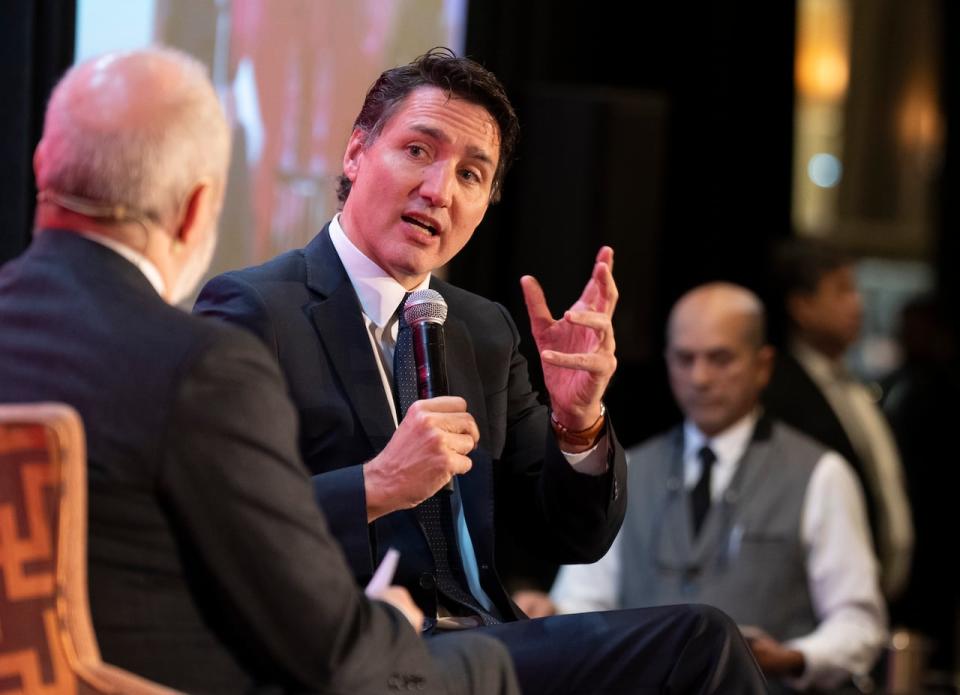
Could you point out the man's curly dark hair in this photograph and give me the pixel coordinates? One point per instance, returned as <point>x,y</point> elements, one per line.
<point>462,78</point>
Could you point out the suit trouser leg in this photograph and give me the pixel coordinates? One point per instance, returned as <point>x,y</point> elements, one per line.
<point>673,649</point>
<point>473,664</point>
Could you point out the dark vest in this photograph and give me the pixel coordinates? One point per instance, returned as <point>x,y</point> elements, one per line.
<point>748,560</point>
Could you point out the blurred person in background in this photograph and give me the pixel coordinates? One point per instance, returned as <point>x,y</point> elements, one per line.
<point>812,389</point>
<point>739,511</point>
<point>921,401</point>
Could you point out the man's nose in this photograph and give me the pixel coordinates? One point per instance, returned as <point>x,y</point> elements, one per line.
<point>437,185</point>
<point>700,372</point>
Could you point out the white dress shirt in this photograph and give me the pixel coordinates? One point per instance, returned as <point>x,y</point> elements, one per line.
<point>142,263</point>
<point>873,441</point>
<point>841,569</point>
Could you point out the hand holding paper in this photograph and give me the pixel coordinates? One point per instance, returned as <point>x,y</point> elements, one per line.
<point>380,589</point>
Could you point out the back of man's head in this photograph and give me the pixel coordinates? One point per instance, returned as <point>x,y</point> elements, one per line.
<point>136,130</point>
<point>461,78</point>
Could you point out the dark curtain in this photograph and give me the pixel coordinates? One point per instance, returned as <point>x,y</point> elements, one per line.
<point>36,46</point>
<point>948,244</point>
<point>668,135</point>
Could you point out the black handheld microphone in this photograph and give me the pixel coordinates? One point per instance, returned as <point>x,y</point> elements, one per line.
<point>425,311</point>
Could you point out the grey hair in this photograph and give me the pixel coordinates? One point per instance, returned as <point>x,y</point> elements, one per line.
<point>149,169</point>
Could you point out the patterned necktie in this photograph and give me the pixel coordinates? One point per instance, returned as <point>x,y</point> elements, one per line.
<point>435,514</point>
<point>700,496</point>
<point>404,366</point>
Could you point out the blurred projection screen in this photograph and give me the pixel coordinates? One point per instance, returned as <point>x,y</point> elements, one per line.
<point>292,75</point>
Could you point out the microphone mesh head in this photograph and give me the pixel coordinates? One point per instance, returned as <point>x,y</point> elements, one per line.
<point>425,305</point>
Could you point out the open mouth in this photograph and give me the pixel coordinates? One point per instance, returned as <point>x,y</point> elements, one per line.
<point>432,231</point>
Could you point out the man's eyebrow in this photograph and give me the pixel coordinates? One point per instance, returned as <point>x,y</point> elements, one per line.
<point>430,131</point>
<point>472,152</point>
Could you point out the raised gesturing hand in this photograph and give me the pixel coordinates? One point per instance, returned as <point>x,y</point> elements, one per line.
<point>577,350</point>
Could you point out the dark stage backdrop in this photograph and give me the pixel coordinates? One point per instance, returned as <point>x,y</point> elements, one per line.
<point>36,47</point>
<point>668,135</point>
<point>948,244</point>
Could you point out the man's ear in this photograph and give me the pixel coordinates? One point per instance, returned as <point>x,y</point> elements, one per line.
<point>798,307</point>
<point>354,153</point>
<point>39,155</point>
<point>199,205</point>
<point>766,357</point>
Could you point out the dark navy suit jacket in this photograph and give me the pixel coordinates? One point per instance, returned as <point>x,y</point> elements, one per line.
<point>794,397</point>
<point>210,567</point>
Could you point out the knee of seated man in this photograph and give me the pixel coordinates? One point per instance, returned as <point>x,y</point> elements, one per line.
<point>710,621</point>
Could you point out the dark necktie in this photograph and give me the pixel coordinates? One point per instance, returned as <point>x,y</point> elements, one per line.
<point>700,496</point>
<point>435,514</point>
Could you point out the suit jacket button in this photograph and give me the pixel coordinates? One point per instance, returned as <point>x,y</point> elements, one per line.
<point>428,581</point>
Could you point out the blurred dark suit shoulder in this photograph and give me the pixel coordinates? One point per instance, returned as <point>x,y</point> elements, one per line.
<point>211,568</point>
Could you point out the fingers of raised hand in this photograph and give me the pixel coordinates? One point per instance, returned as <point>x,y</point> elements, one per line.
<point>605,255</point>
<point>601,324</point>
<point>598,363</point>
<point>601,293</point>
<point>536,302</point>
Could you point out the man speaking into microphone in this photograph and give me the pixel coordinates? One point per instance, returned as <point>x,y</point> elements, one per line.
<point>426,157</point>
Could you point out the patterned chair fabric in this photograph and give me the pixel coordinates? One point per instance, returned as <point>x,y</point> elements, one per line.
<point>47,645</point>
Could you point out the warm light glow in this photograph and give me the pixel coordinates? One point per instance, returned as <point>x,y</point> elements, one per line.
<point>919,122</point>
<point>822,59</point>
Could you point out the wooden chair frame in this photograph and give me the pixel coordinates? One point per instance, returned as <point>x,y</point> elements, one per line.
<point>77,641</point>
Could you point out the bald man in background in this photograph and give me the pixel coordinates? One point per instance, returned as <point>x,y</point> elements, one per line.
<point>211,569</point>
<point>741,512</point>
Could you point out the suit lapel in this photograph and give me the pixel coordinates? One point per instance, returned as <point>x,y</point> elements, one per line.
<point>676,549</point>
<point>462,372</point>
<point>340,326</point>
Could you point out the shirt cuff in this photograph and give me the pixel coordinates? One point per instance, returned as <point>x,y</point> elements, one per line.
<point>592,461</point>
<point>819,669</point>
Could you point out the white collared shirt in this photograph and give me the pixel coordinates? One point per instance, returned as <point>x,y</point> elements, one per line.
<point>728,447</point>
<point>143,264</point>
<point>380,296</point>
<point>841,569</point>
<point>874,443</point>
